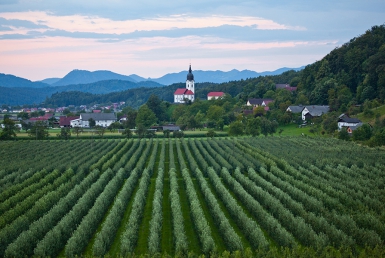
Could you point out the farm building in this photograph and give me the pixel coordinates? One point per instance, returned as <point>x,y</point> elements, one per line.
<point>101,119</point>
<point>215,95</point>
<point>314,111</point>
<point>346,121</point>
<point>258,102</point>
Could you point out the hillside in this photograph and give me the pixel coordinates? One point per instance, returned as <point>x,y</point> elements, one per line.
<point>8,80</point>
<point>20,96</point>
<point>350,74</point>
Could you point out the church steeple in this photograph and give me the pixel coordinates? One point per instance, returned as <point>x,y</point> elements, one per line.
<point>190,76</point>
<point>190,80</point>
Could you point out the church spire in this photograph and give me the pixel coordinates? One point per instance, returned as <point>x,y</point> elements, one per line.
<point>190,76</point>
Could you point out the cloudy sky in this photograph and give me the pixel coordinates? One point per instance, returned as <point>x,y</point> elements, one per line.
<point>44,38</point>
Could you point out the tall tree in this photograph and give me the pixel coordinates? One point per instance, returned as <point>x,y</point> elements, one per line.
<point>145,117</point>
<point>155,104</point>
<point>39,131</point>
<point>9,130</point>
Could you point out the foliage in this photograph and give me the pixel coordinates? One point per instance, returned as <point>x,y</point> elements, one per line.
<point>65,133</point>
<point>9,130</point>
<point>236,128</point>
<point>99,130</point>
<point>77,130</point>
<point>145,117</point>
<point>127,133</point>
<point>39,130</point>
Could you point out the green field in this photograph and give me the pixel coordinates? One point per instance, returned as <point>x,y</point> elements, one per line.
<point>268,195</point>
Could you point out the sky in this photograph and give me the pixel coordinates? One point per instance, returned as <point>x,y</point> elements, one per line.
<point>42,39</point>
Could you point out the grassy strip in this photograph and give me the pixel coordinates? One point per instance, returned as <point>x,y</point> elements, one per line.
<point>167,238</point>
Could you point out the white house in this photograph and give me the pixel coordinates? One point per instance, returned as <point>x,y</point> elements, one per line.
<point>346,121</point>
<point>101,119</point>
<point>182,94</point>
<point>215,95</point>
<point>314,111</point>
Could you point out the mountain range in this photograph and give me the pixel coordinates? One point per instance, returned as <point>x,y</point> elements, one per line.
<point>18,91</point>
<point>84,77</point>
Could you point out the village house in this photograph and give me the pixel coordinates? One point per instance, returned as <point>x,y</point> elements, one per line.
<point>295,109</point>
<point>215,95</point>
<point>65,121</point>
<point>346,121</point>
<point>314,111</point>
<point>258,102</point>
<point>101,119</point>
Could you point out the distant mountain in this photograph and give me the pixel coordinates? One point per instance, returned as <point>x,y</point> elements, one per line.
<point>215,76</point>
<point>8,80</point>
<point>50,81</point>
<point>83,77</point>
<point>20,96</point>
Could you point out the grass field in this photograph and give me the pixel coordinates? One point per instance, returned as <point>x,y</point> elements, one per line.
<point>307,195</point>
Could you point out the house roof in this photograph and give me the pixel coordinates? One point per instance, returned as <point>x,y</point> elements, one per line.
<point>180,91</point>
<point>171,127</point>
<point>347,119</point>
<point>215,94</point>
<point>317,110</point>
<point>67,120</point>
<point>98,116</point>
<point>260,101</point>
<point>255,101</point>
<point>295,109</point>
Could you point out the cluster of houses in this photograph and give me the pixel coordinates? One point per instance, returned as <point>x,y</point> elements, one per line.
<point>344,122</point>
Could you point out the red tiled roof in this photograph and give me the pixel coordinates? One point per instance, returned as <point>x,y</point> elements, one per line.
<point>66,121</point>
<point>189,92</point>
<point>215,94</point>
<point>180,91</point>
<point>96,111</point>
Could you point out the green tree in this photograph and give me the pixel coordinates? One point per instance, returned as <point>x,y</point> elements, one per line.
<point>23,115</point>
<point>91,122</point>
<point>9,130</point>
<point>77,130</point>
<point>166,133</point>
<point>145,117</point>
<point>215,113</point>
<point>362,133</point>
<point>253,126</point>
<point>211,133</point>
<point>343,135</point>
<point>99,130</point>
<point>127,133</point>
<point>155,104</point>
<point>140,130</point>
<point>39,131</point>
<point>236,128</point>
<point>65,133</point>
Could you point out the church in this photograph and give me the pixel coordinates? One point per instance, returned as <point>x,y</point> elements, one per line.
<point>183,94</point>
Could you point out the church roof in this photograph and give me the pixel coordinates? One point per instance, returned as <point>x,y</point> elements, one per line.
<point>189,92</point>
<point>180,91</point>
<point>190,76</point>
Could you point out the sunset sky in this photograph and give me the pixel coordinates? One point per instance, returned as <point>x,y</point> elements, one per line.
<point>44,38</point>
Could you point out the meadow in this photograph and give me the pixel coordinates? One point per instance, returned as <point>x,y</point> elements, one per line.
<point>179,197</point>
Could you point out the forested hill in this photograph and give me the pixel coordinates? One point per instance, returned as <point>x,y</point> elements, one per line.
<point>253,87</point>
<point>26,95</point>
<point>350,74</point>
